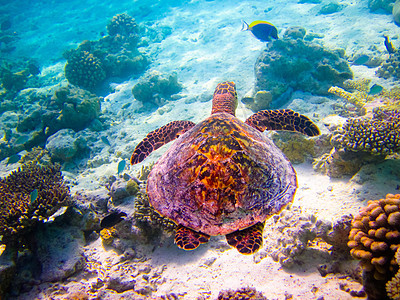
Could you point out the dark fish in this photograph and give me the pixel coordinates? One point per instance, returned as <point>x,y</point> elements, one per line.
<point>375,90</point>
<point>5,25</point>
<point>22,139</point>
<point>112,219</point>
<point>262,30</point>
<point>362,59</point>
<point>105,140</point>
<point>121,166</point>
<point>13,159</point>
<point>34,195</point>
<point>389,46</point>
<point>33,69</point>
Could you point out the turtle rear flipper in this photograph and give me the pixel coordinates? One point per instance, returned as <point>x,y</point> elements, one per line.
<point>282,119</point>
<point>158,138</point>
<point>188,239</point>
<point>247,241</point>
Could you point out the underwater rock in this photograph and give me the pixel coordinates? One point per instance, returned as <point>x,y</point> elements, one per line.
<point>157,88</point>
<point>396,13</point>
<point>330,7</point>
<point>386,5</point>
<point>297,64</point>
<point>65,145</point>
<point>295,32</point>
<point>59,252</point>
<point>78,107</point>
<point>7,271</point>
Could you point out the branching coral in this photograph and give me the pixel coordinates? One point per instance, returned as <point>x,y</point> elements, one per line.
<point>84,70</point>
<point>360,97</point>
<point>20,208</point>
<point>244,293</point>
<point>375,236</point>
<point>379,136</point>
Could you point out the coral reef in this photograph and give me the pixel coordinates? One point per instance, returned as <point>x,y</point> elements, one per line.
<point>147,217</point>
<point>393,285</point>
<point>122,24</point>
<point>374,239</point>
<point>295,146</point>
<point>378,136</point>
<point>293,63</point>
<point>297,231</point>
<point>20,209</point>
<point>390,67</point>
<point>244,293</point>
<point>116,54</point>
<point>84,70</point>
<point>46,111</point>
<point>157,88</point>
<point>359,142</point>
<point>364,103</point>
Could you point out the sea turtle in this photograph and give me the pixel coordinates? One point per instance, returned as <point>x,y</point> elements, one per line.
<point>222,176</point>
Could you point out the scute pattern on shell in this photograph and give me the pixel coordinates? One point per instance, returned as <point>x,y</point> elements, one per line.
<point>255,180</point>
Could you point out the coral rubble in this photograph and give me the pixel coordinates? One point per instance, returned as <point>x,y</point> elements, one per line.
<point>244,293</point>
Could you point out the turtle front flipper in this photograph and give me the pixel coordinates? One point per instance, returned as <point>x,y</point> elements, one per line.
<point>158,138</point>
<point>282,119</point>
<point>247,241</point>
<point>188,239</point>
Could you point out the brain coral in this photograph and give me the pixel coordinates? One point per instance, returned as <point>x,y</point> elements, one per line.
<point>122,24</point>
<point>84,70</point>
<point>293,63</point>
<point>375,236</point>
<point>19,211</point>
<point>390,67</point>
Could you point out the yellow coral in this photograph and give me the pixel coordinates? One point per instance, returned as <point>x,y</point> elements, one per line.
<point>350,97</point>
<point>361,85</point>
<point>108,235</point>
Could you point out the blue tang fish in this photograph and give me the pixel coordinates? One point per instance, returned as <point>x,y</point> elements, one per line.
<point>262,30</point>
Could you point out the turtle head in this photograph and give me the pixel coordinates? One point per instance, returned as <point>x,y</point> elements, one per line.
<point>225,98</point>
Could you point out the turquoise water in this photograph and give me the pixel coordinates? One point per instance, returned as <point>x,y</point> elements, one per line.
<point>84,82</point>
